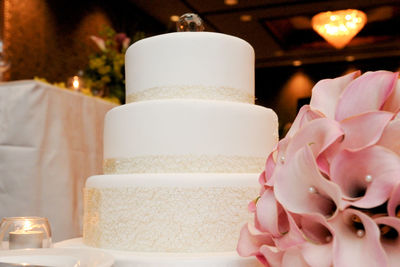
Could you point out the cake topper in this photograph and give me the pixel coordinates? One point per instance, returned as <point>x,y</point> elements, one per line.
<point>189,22</point>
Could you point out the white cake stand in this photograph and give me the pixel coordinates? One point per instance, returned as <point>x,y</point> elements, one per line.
<point>136,259</point>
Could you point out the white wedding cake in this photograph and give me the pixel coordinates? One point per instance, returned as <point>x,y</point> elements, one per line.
<point>183,156</point>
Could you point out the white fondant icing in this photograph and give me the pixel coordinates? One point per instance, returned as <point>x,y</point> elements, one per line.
<point>190,58</point>
<point>167,213</point>
<point>189,127</point>
<point>173,180</point>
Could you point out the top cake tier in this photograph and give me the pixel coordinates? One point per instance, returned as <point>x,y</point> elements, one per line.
<point>199,65</point>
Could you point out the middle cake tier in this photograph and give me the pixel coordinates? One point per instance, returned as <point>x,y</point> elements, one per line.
<point>181,136</point>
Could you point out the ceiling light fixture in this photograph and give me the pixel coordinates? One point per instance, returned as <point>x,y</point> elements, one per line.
<point>245,18</point>
<point>231,2</point>
<point>339,27</point>
<point>297,63</point>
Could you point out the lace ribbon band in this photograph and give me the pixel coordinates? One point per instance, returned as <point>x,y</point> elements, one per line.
<point>184,164</point>
<point>194,91</point>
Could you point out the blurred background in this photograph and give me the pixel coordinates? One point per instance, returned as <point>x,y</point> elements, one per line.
<point>51,40</point>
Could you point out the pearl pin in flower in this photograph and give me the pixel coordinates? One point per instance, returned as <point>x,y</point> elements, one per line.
<point>282,159</point>
<point>312,190</point>
<point>368,178</point>
<point>360,233</point>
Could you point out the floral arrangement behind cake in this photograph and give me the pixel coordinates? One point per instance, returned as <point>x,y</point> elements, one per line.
<point>330,192</point>
<point>105,73</point>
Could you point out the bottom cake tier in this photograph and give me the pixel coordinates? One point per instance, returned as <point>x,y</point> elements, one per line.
<point>190,213</point>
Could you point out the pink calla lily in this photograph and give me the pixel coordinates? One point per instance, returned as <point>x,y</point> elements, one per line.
<point>326,93</point>
<point>356,247</point>
<point>316,228</point>
<point>323,164</point>
<point>292,238</point>
<point>392,104</point>
<point>251,207</point>
<point>318,251</point>
<point>366,177</point>
<point>366,93</point>
<point>279,156</point>
<point>391,136</point>
<point>251,240</point>
<point>293,258</point>
<point>358,132</point>
<point>301,188</point>
<point>394,202</point>
<point>262,178</point>
<point>365,129</point>
<point>270,215</point>
<point>390,242</point>
<point>305,115</point>
<point>270,256</point>
<point>317,135</point>
<point>269,170</point>
<point>325,158</point>
<point>317,255</point>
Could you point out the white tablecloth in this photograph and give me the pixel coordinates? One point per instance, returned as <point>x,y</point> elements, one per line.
<point>50,142</point>
<point>125,258</point>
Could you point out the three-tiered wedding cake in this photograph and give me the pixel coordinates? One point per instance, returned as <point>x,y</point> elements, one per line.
<point>183,156</point>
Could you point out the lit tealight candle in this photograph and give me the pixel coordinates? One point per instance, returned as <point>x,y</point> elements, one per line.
<point>26,238</point>
<point>76,83</point>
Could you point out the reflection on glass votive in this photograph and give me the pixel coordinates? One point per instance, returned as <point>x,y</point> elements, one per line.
<point>25,232</point>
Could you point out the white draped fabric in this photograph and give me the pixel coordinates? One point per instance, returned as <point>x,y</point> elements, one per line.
<point>50,143</point>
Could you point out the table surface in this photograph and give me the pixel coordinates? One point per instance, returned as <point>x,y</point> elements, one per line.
<point>51,141</point>
<point>155,259</point>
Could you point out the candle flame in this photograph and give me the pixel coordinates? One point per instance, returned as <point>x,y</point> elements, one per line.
<point>27,226</point>
<point>75,82</point>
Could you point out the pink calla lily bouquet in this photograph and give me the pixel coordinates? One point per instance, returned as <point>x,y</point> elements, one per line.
<point>330,192</point>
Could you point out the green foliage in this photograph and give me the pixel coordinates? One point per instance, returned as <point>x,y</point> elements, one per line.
<point>105,72</point>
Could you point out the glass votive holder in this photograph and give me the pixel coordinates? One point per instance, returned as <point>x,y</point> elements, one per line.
<point>25,232</point>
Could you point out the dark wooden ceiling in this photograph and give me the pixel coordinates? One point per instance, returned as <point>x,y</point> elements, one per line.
<point>280,30</point>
